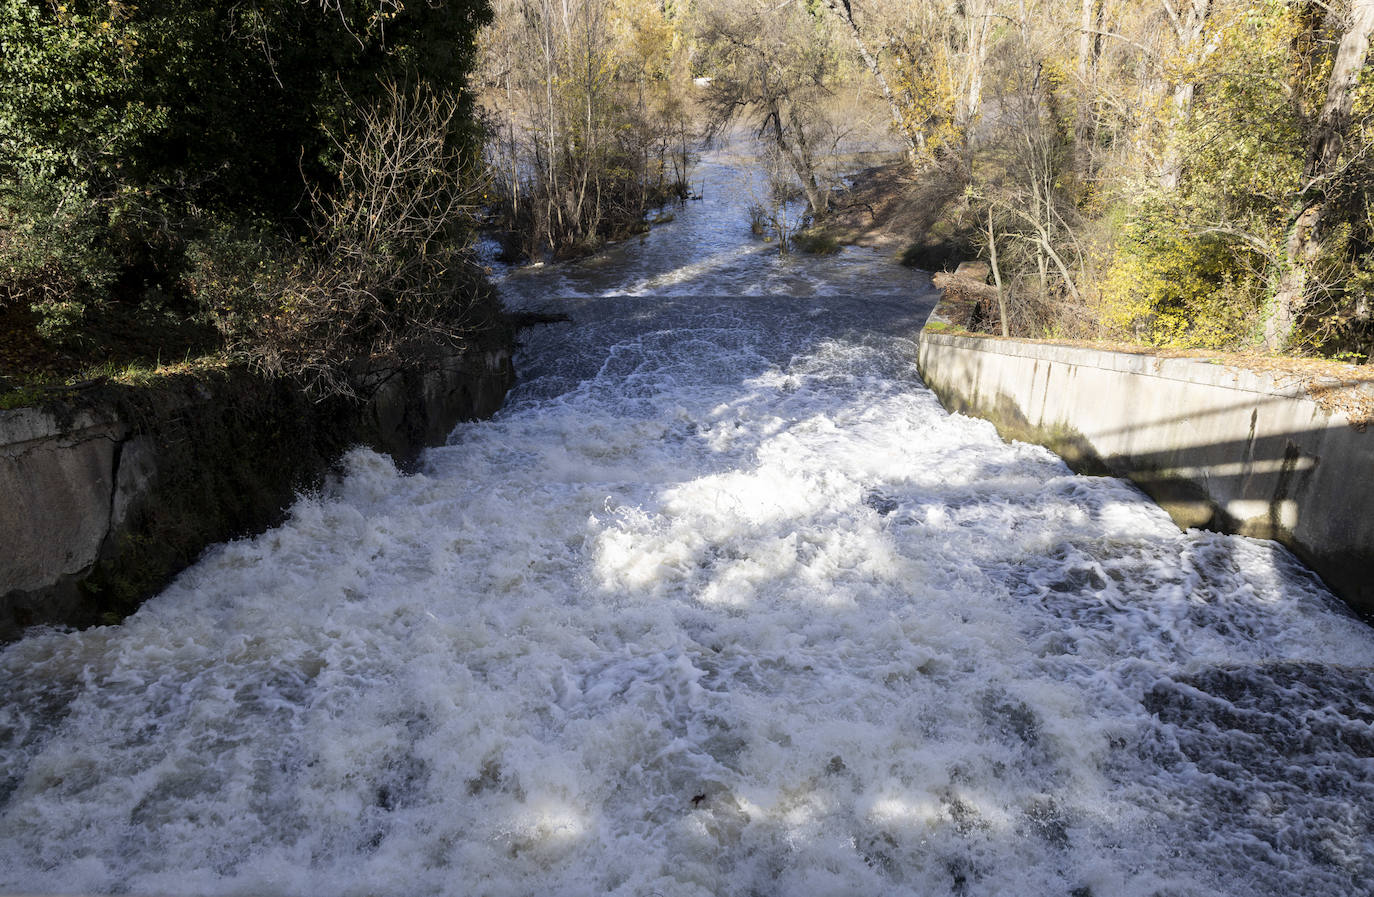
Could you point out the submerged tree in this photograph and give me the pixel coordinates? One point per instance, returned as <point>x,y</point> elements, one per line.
<point>589,128</point>
<point>773,67</point>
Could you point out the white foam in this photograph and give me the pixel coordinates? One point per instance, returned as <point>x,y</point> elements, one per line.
<point>722,604</point>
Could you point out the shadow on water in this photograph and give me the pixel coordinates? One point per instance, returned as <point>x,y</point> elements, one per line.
<point>1291,485</point>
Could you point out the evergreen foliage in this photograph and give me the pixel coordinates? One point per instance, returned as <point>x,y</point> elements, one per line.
<point>154,154</point>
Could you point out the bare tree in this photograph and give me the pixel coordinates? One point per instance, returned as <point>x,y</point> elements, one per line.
<point>900,106</point>
<point>394,276</point>
<point>589,133</point>
<point>772,66</point>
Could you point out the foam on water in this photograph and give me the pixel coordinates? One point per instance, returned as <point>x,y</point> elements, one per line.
<point>723,603</point>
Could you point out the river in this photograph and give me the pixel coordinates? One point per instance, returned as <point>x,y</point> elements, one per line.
<point>721,603</point>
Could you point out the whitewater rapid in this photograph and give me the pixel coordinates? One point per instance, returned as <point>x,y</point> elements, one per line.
<point>722,603</point>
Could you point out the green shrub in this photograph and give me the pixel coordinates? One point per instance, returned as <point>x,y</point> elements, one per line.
<point>813,242</point>
<point>147,149</point>
<point>1172,284</point>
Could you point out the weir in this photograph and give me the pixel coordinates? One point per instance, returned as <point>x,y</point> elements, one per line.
<point>721,603</point>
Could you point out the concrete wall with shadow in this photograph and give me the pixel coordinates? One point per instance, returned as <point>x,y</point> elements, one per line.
<point>105,495</point>
<point>1217,446</point>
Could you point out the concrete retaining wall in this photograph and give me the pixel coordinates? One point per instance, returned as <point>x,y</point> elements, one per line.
<point>105,496</point>
<point>1217,446</point>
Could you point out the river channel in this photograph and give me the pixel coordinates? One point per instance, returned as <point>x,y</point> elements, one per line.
<point>721,603</point>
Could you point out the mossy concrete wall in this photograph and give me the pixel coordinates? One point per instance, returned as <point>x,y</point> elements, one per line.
<point>1219,447</point>
<point>104,496</point>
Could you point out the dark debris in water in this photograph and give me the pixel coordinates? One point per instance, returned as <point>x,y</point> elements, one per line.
<point>880,503</point>
<point>522,320</point>
<point>1272,714</point>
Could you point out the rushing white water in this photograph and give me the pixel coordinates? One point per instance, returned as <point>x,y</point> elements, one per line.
<point>722,603</point>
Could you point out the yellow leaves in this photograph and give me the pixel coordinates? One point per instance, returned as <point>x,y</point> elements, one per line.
<point>1168,284</point>
<point>643,38</point>
<point>1126,293</point>
<point>1053,73</point>
<point>925,78</point>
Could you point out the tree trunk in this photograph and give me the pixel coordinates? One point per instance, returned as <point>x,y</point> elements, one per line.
<point>1189,27</point>
<point>816,196</point>
<point>997,277</point>
<point>841,10</point>
<point>1323,160</point>
<point>1087,64</point>
<point>1329,133</point>
<point>969,100</point>
<point>805,173</point>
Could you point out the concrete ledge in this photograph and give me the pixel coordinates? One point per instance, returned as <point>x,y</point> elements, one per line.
<point>1219,447</point>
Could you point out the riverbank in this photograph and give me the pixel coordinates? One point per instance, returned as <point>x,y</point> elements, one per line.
<point>922,221</point>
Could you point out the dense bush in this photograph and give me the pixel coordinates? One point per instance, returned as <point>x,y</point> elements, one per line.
<point>1171,285</point>
<point>156,158</point>
<point>390,271</point>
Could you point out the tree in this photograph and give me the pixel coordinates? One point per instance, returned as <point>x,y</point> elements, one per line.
<point>774,64</point>
<point>899,106</point>
<point>232,101</point>
<point>591,128</point>
<point>930,69</point>
<point>133,137</point>
<point>1322,165</point>
<point>1189,23</point>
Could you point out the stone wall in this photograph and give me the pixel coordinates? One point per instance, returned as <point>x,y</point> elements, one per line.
<point>106,495</point>
<point>1219,447</point>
